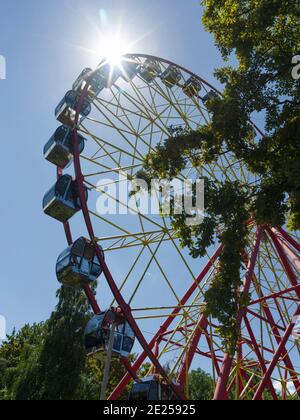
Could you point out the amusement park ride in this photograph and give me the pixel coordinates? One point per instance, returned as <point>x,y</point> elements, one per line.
<point>111,119</point>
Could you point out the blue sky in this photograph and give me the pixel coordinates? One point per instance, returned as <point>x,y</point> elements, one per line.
<point>46,46</point>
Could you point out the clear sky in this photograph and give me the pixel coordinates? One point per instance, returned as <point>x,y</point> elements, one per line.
<point>46,44</point>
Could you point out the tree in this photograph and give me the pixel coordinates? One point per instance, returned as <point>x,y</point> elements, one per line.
<point>17,354</point>
<point>55,374</point>
<point>201,386</point>
<point>264,35</point>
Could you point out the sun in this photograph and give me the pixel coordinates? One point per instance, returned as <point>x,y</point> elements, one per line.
<point>113,47</point>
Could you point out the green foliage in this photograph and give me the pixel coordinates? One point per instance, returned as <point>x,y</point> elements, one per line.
<point>92,375</point>
<point>201,386</point>
<point>61,354</point>
<point>17,354</point>
<point>264,35</point>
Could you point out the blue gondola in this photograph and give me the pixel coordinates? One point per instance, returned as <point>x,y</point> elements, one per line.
<point>171,76</point>
<point>59,149</point>
<point>192,87</point>
<point>150,70</point>
<point>152,388</point>
<point>78,265</point>
<point>104,77</point>
<point>62,201</point>
<point>96,83</point>
<point>97,334</point>
<point>80,82</point>
<point>129,69</point>
<point>109,74</point>
<point>209,96</point>
<point>66,110</point>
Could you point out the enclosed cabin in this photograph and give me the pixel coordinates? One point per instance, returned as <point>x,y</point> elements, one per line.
<point>81,80</point>
<point>79,266</point>
<point>192,87</point>
<point>59,149</point>
<point>95,83</point>
<point>66,110</point>
<point>150,70</point>
<point>107,74</point>
<point>104,77</point>
<point>152,388</point>
<point>62,201</point>
<point>171,76</point>
<point>209,96</point>
<point>98,330</point>
<point>129,69</point>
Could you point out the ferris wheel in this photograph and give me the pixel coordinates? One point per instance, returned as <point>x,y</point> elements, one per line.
<point>150,291</point>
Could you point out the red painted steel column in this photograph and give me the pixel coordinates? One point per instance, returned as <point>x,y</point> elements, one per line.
<point>285,262</point>
<point>128,366</point>
<point>289,238</point>
<point>294,258</point>
<point>188,360</point>
<point>220,392</point>
<point>221,388</point>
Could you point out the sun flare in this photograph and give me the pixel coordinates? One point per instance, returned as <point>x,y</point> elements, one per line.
<point>113,47</point>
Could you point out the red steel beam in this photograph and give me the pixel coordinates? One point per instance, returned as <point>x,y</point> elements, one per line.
<point>198,351</point>
<point>289,238</point>
<point>275,295</point>
<point>221,388</point>
<point>285,261</point>
<point>291,253</point>
<point>188,360</point>
<point>214,357</point>
<point>265,320</point>
<point>259,356</point>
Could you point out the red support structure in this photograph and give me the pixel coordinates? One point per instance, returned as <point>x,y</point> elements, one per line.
<point>188,360</point>
<point>285,262</point>
<point>124,382</point>
<point>198,352</point>
<point>291,253</point>
<point>240,371</point>
<point>275,295</point>
<point>221,388</point>
<point>280,352</point>
<point>221,392</point>
<point>259,356</point>
<point>289,238</point>
<point>281,342</point>
<point>213,354</point>
<point>128,366</point>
